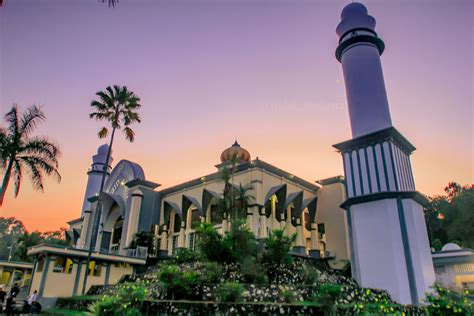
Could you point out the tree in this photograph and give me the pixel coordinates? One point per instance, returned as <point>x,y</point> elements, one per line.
<point>118,106</point>
<point>451,218</point>
<point>11,230</point>
<point>20,152</point>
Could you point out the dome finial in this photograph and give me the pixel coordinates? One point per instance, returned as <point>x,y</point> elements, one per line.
<point>235,150</point>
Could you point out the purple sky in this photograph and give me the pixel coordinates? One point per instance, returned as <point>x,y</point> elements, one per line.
<point>210,71</point>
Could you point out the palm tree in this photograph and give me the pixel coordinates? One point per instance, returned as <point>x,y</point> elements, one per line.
<point>20,152</point>
<point>116,105</point>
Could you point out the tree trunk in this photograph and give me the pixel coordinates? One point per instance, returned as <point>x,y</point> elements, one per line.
<point>6,180</point>
<point>98,210</point>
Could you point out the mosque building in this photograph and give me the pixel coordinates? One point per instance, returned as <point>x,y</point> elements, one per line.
<point>372,217</point>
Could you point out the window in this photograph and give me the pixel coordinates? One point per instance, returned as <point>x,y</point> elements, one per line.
<point>63,265</point>
<point>192,241</point>
<point>307,223</point>
<point>216,215</point>
<point>321,231</point>
<point>195,219</point>
<point>177,223</point>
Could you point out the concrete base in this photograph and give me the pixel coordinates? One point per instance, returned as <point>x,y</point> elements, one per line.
<point>261,245</point>
<point>301,250</point>
<point>315,253</point>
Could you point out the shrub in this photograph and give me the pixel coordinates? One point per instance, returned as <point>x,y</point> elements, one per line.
<point>288,296</point>
<point>210,244</point>
<point>327,295</point>
<point>176,283</point>
<point>447,302</point>
<point>252,272</point>
<point>310,275</point>
<point>184,256</point>
<point>212,272</point>
<point>277,248</point>
<point>241,242</point>
<point>229,292</point>
<point>128,300</point>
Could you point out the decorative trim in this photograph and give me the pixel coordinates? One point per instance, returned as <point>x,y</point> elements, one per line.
<point>340,50</point>
<point>415,195</point>
<point>355,30</point>
<point>390,133</point>
<point>407,252</point>
<point>369,179</point>
<point>144,183</point>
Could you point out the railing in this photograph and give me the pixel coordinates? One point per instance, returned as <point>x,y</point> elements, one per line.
<point>139,252</point>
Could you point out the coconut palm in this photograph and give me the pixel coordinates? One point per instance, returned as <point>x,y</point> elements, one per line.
<point>21,153</point>
<point>117,106</point>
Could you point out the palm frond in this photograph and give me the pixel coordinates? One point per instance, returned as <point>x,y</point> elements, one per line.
<point>129,134</point>
<point>12,119</point>
<point>103,132</point>
<point>42,147</point>
<point>43,166</point>
<point>30,119</point>
<point>36,176</point>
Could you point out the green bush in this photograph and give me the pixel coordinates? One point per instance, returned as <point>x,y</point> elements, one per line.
<point>447,302</point>
<point>310,275</point>
<point>128,300</point>
<point>277,248</point>
<point>211,272</point>
<point>288,296</point>
<point>252,272</point>
<point>327,295</point>
<point>210,244</point>
<point>176,283</point>
<point>229,292</point>
<point>241,242</point>
<point>185,255</point>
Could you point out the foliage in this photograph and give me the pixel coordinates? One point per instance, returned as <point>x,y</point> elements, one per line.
<point>450,218</point>
<point>327,294</point>
<point>176,283</point>
<point>185,255</point>
<point>229,292</point>
<point>127,300</point>
<point>288,296</point>
<point>212,272</point>
<point>240,241</point>
<point>210,244</point>
<point>13,233</point>
<point>21,153</point>
<point>277,248</point>
<point>144,239</point>
<point>252,272</point>
<point>311,275</point>
<point>447,302</point>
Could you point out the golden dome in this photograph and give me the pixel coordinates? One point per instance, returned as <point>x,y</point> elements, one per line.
<point>242,154</point>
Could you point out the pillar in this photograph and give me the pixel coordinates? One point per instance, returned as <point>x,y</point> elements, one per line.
<point>387,232</point>
<point>85,231</point>
<point>164,241</point>
<point>182,235</point>
<point>299,247</point>
<point>314,252</point>
<point>262,231</point>
<point>133,217</point>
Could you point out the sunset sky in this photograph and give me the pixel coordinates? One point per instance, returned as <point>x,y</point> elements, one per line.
<point>208,72</point>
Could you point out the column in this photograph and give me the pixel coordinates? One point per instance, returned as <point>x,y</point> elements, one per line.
<point>314,251</point>
<point>262,231</point>
<point>85,229</point>
<point>133,217</point>
<point>299,247</point>
<point>164,241</point>
<point>182,235</point>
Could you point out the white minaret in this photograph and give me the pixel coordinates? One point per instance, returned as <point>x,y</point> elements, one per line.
<point>94,175</point>
<point>387,231</point>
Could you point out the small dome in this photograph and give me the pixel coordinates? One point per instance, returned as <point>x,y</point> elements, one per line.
<point>103,149</point>
<point>242,154</point>
<point>353,9</point>
<point>450,246</point>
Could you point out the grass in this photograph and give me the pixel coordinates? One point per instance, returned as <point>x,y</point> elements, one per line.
<point>67,312</point>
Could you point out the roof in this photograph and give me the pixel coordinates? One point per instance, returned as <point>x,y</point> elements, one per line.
<point>16,264</point>
<point>82,253</point>
<point>254,164</point>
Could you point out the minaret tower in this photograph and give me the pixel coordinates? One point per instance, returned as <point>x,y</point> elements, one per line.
<point>94,175</point>
<point>387,231</point>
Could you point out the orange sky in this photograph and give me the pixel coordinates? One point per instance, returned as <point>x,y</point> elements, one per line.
<point>208,72</point>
